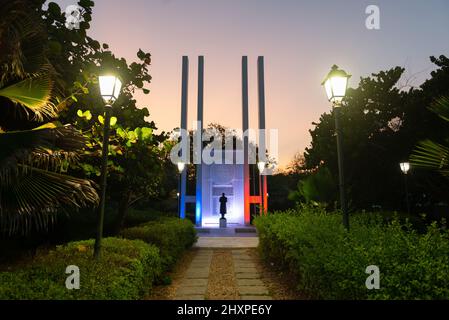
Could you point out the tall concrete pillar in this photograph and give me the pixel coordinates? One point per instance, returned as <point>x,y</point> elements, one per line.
<point>199,181</point>
<point>184,99</point>
<point>245,125</point>
<point>262,137</point>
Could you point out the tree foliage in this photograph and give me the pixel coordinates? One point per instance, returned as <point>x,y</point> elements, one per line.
<point>137,155</point>
<point>381,124</point>
<point>33,156</point>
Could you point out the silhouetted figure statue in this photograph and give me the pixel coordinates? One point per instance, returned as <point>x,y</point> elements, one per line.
<point>223,201</point>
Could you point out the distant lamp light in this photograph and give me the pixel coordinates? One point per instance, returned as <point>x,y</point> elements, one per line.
<point>110,87</point>
<point>405,167</point>
<point>177,194</point>
<point>181,166</point>
<point>336,83</point>
<point>261,166</point>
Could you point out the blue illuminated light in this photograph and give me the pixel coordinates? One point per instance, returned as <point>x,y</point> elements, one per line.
<point>198,213</point>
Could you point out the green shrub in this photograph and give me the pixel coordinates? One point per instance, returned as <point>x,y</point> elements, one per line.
<point>136,217</point>
<point>126,270</point>
<point>171,235</point>
<point>330,262</point>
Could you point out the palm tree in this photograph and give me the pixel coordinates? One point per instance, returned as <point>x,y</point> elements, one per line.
<point>433,155</point>
<point>34,152</point>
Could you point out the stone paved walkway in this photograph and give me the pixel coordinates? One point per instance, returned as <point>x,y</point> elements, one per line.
<point>248,280</point>
<point>194,284</point>
<point>224,242</point>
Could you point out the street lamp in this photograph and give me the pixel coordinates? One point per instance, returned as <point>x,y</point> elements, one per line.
<point>405,167</point>
<point>110,87</point>
<point>261,167</point>
<point>336,84</point>
<point>181,166</point>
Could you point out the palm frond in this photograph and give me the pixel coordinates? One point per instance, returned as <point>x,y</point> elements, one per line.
<point>34,94</point>
<point>22,41</point>
<point>35,196</point>
<point>431,155</point>
<point>49,160</point>
<point>17,146</point>
<point>441,108</point>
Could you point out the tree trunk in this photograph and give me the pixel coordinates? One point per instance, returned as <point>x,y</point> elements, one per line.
<point>122,211</point>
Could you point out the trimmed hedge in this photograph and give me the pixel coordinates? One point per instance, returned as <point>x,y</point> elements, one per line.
<point>171,235</point>
<point>137,217</point>
<point>330,263</point>
<point>126,270</point>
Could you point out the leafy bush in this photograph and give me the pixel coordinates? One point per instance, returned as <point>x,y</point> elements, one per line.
<point>136,217</point>
<point>126,270</point>
<point>171,235</point>
<point>317,189</point>
<point>330,263</point>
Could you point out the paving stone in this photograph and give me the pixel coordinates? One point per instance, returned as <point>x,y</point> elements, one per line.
<point>204,253</point>
<point>189,297</point>
<point>198,290</point>
<point>202,259</point>
<point>253,290</point>
<point>200,269</point>
<point>242,257</point>
<point>201,262</point>
<point>193,282</point>
<point>240,254</point>
<point>245,297</point>
<point>247,276</point>
<point>245,270</point>
<point>197,274</point>
<point>249,282</point>
<point>227,242</point>
<point>199,265</point>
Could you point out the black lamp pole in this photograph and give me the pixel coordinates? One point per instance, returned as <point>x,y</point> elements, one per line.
<point>407,200</point>
<point>336,84</point>
<point>179,194</point>
<point>341,174</point>
<point>104,163</point>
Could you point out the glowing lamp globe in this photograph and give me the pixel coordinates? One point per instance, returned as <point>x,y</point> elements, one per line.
<point>110,87</point>
<point>261,166</point>
<point>181,166</point>
<point>336,84</point>
<point>405,167</point>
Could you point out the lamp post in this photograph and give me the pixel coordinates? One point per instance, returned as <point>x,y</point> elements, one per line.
<point>336,84</point>
<point>181,166</point>
<point>405,168</point>
<point>110,87</point>
<point>261,167</point>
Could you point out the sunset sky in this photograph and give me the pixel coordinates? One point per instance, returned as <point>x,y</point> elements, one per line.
<point>300,40</point>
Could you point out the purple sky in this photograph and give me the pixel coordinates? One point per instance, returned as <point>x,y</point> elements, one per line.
<point>300,40</point>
